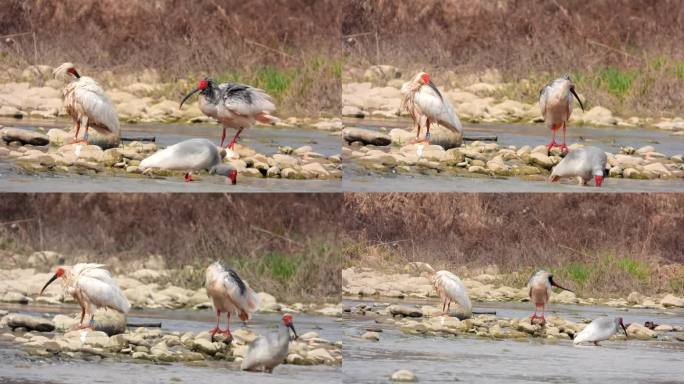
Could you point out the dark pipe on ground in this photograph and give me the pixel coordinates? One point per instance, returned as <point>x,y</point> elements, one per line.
<point>480,138</point>
<point>140,138</point>
<point>144,325</point>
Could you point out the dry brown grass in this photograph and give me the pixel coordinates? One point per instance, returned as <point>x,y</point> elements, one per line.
<point>229,39</point>
<point>605,243</point>
<point>281,243</point>
<point>625,54</point>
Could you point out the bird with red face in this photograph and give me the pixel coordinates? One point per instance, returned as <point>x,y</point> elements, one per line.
<point>540,289</point>
<point>92,287</point>
<point>237,106</point>
<point>421,99</point>
<point>267,352</point>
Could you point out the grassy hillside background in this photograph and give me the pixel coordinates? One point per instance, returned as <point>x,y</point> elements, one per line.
<point>288,47</point>
<point>623,54</point>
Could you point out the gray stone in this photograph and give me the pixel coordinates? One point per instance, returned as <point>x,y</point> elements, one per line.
<point>31,323</point>
<point>24,136</point>
<point>365,136</point>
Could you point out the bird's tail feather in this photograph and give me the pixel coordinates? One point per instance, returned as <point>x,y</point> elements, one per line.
<point>267,119</point>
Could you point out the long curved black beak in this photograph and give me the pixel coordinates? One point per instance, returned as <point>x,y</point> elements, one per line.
<point>624,329</point>
<point>53,278</point>
<point>188,96</point>
<point>572,90</point>
<point>291,326</point>
<point>434,87</point>
<point>558,286</point>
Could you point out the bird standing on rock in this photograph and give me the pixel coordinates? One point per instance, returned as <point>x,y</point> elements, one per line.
<point>450,288</point>
<point>420,97</point>
<point>600,329</point>
<point>229,293</point>
<point>234,105</point>
<point>540,289</point>
<point>267,352</point>
<point>91,286</point>
<point>555,101</point>
<point>86,102</point>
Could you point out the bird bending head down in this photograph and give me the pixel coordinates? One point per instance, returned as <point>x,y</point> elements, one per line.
<point>287,321</point>
<point>66,71</point>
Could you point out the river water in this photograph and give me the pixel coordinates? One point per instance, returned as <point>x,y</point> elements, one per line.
<point>18,367</point>
<point>358,179</point>
<point>265,140</point>
<point>478,360</point>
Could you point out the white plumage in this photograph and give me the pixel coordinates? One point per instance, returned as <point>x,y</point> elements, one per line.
<point>540,290</point>
<point>229,294</point>
<point>86,102</point>
<point>584,163</point>
<point>267,352</point>
<point>450,288</point>
<point>555,102</point>
<point>600,329</point>
<point>421,98</point>
<point>92,287</point>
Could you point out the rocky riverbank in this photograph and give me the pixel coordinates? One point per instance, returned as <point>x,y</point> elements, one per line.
<point>415,283</point>
<point>146,284</point>
<point>43,337</point>
<point>35,151</point>
<point>374,92</point>
<point>480,159</point>
<point>428,320</point>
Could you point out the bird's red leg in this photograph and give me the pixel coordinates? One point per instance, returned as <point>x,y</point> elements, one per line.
<point>216,328</point>
<point>234,140</point>
<point>564,148</point>
<point>553,140</point>
<point>543,319</point>
<point>534,315</point>
<point>78,129</point>
<point>427,131</point>
<point>229,336</point>
<point>444,307</point>
<point>223,136</point>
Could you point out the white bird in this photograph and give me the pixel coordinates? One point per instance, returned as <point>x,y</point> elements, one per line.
<point>191,155</point>
<point>420,97</point>
<point>86,102</point>
<point>91,286</point>
<point>450,288</point>
<point>583,163</point>
<point>600,329</point>
<point>267,352</point>
<point>555,101</point>
<point>236,106</point>
<point>229,294</point>
<point>540,289</point>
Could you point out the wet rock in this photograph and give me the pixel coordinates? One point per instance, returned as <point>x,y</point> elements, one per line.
<point>15,297</point>
<point>45,260</point>
<point>418,267</point>
<point>381,73</point>
<point>541,160</point>
<point>31,323</point>
<point>672,301</point>
<point>664,328</point>
<point>205,346</point>
<point>65,323</point>
<point>404,376</point>
<point>329,125</point>
<point>321,356</point>
<point>267,303</point>
<point>365,136</point>
<point>635,298</point>
<point>353,111</point>
<point>372,336</point>
<point>404,310</point>
<point>24,136</point>
<point>640,332</point>
<point>600,116</point>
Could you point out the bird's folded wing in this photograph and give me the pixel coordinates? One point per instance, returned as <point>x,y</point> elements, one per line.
<point>240,293</point>
<point>103,294</point>
<point>97,106</point>
<point>439,109</point>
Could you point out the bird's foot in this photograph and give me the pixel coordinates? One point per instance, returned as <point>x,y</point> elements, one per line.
<point>231,145</point>
<point>187,177</point>
<point>213,332</point>
<point>228,335</point>
<point>85,327</point>
<point>563,148</point>
<point>79,141</point>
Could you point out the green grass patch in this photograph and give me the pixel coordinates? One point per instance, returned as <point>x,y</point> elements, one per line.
<point>635,268</point>
<point>281,267</point>
<point>578,272</point>
<point>617,82</point>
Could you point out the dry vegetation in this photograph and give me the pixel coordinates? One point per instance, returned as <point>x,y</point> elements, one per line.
<point>289,47</point>
<point>283,244</point>
<point>604,243</point>
<point>624,54</point>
